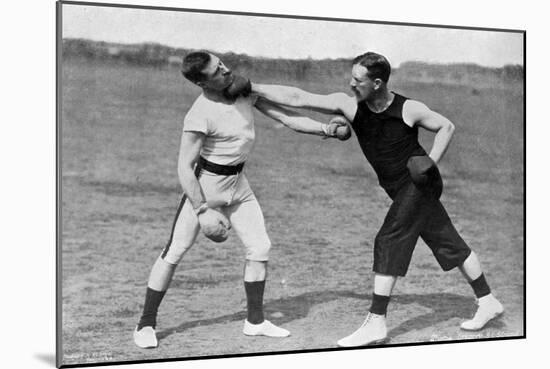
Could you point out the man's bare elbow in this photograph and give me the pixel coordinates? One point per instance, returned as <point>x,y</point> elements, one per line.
<point>450,128</point>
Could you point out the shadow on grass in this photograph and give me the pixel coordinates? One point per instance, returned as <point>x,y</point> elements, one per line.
<point>444,306</point>
<point>292,308</point>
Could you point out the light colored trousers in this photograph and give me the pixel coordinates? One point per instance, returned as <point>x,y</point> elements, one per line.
<point>232,196</point>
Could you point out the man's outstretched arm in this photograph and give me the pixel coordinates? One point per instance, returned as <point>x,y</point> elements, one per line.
<point>336,103</point>
<point>338,127</point>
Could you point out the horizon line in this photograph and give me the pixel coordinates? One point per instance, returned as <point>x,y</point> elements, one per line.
<point>285,58</point>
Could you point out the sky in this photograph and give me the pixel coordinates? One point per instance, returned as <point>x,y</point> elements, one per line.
<point>291,38</point>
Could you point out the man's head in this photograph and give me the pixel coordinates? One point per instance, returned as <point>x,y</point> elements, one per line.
<point>206,71</point>
<point>369,75</point>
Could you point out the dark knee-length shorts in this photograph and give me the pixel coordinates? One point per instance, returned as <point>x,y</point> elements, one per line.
<point>414,213</point>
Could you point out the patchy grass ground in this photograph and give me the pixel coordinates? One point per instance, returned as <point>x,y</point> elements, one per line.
<point>120,135</point>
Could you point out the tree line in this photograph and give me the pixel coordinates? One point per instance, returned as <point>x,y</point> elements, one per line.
<point>160,56</point>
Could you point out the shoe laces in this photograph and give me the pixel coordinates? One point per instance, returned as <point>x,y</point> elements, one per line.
<point>367,320</point>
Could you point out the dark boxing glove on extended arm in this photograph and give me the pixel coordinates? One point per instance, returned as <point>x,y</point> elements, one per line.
<point>239,87</point>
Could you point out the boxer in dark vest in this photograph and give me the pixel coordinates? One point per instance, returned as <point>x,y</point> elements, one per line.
<point>386,125</point>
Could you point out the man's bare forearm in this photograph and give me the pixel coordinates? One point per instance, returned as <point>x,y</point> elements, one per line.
<point>305,125</point>
<point>191,187</point>
<point>441,142</point>
<point>293,120</point>
<point>190,147</point>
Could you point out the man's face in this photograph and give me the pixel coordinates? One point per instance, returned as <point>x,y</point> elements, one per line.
<point>361,85</point>
<point>217,75</point>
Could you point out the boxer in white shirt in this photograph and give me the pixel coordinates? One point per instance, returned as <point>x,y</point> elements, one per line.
<point>218,135</point>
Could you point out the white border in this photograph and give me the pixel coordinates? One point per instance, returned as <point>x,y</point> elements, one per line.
<point>28,184</point>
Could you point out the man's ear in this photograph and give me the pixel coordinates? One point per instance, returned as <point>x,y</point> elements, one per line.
<point>377,83</point>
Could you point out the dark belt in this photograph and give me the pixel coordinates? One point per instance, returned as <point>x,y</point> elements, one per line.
<point>224,170</point>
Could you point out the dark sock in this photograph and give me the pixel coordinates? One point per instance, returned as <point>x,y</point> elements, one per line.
<point>379,304</point>
<point>255,301</point>
<point>152,301</point>
<point>480,286</point>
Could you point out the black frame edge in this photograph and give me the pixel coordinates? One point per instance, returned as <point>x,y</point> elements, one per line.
<point>58,258</point>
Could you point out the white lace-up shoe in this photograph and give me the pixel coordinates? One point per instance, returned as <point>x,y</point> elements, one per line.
<point>145,337</point>
<point>266,328</point>
<point>488,308</point>
<point>372,331</point>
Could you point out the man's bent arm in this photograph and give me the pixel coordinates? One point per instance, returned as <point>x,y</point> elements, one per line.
<point>291,119</point>
<point>190,148</point>
<point>336,103</point>
<point>419,114</point>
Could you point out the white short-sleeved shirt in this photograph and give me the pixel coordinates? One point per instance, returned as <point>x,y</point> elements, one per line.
<point>229,128</point>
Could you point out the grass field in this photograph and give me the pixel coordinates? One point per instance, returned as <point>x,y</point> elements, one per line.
<point>120,131</point>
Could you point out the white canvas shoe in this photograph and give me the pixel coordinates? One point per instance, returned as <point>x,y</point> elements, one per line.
<point>489,308</point>
<point>145,337</point>
<point>372,331</point>
<point>266,328</point>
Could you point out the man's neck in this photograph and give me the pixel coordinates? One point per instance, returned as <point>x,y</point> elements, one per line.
<point>216,96</point>
<point>381,101</point>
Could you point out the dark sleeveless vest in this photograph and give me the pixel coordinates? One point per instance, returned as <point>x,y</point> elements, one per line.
<point>387,142</point>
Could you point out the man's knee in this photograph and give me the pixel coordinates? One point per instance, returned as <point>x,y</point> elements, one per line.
<point>452,255</point>
<point>255,271</point>
<point>379,240</point>
<point>258,252</point>
<point>173,253</point>
<point>384,243</point>
<point>392,256</point>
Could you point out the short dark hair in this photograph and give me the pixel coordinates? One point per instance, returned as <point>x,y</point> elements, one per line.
<point>377,65</point>
<point>193,65</point>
